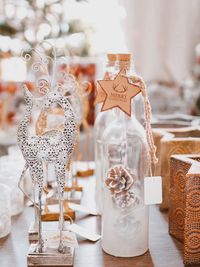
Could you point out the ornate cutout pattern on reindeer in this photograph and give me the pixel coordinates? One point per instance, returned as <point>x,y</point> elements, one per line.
<point>55,146</point>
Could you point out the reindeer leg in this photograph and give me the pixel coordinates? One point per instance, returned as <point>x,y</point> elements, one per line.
<point>35,201</point>
<point>40,175</point>
<point>60,174</point>
<point>40,242</point>
<point>22,178</point>
<point>36,219</point>
<point>61,247</point>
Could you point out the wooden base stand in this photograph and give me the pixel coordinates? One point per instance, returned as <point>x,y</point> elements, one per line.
<point>51,216</point>
<point>74,194</point>
<point>86,173</point>
<point>51,212</point>
<point>51,257</point>
<point>76,188</point>
<point>32,233</point>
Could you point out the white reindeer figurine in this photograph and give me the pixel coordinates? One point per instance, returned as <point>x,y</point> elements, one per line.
<point>55,146</point>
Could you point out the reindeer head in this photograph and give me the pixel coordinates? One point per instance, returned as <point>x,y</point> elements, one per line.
<point>55,86</point>
<point>50,99</point>
<point>28,97</point>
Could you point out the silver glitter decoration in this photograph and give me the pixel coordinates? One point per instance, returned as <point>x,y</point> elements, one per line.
<point>53,146</point>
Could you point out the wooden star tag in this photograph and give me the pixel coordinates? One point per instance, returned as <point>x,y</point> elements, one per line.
<point>101,95</point>
<point>119,93</point>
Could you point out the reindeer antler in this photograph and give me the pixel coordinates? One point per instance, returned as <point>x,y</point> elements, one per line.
<point>45,82</point>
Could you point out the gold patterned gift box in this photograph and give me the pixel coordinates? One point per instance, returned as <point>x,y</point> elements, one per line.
<point>184,214</point>
<point>169,142</point>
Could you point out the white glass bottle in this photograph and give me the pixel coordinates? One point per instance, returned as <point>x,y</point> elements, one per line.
<point>102,119</point>
<point>124,216</point>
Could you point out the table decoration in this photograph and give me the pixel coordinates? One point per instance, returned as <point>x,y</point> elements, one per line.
<point>171,141</point>
<point>54,146</point>
<point>127,156</point>
<point>9,175</point>
<point>53,118</point>
<point>5,210</point>
<point>184,215</point>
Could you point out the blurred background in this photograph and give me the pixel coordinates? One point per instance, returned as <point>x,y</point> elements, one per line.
<point>163,36</point>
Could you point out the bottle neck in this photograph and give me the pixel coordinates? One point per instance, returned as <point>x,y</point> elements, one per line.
<point>129,70</point>
<point>109,69</point>
<point>126,65</point>
<point>110,63</point>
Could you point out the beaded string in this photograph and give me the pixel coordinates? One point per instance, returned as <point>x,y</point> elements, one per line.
<point>147,110</point>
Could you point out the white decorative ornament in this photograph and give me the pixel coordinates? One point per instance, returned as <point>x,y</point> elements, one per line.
<point>54,146</point>
<point>121,183</point>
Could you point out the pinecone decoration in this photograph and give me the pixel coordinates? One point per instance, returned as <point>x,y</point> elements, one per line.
<point>120,181</point>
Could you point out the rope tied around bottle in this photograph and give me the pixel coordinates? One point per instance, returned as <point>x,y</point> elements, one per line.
<point>137,80</point>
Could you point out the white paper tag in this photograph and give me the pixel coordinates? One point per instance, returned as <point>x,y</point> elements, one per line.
<point>77,207</point>
<point>84,232</point>
<point>152,190</point>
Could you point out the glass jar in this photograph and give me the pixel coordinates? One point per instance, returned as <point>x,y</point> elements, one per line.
<point>125,164</point>
<point>12,166</point>
<point>5,215</point>
<point>16,162</point>
<point>17,197</point>
<point>10,176</point>
<point>102,119</point>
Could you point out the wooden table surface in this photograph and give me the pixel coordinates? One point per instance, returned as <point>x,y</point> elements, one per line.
<point>164,251</point>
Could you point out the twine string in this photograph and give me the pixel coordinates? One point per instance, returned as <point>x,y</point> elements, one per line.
<point>147,111</point>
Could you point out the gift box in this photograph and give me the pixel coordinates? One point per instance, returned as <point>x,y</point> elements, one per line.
<point>169,142</point>
<point>184,214</point>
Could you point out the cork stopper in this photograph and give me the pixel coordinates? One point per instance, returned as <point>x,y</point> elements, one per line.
<point>112,57</point>
<point>124,57</point>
